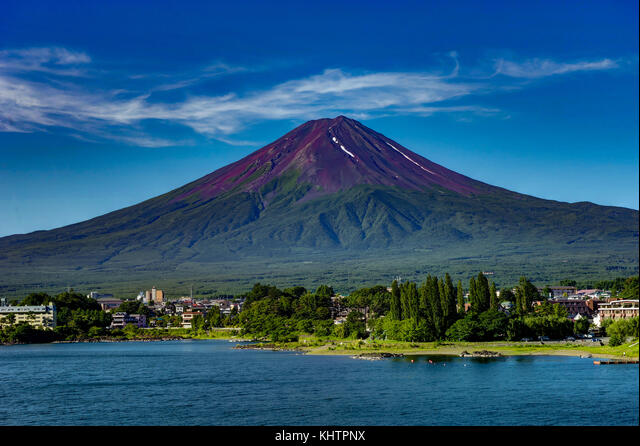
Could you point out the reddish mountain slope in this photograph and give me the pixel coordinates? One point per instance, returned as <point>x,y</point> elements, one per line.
<point>329,186</point>
<point>334,154</point>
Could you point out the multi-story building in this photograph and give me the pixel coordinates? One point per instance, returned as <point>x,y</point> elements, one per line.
<point>593,305</point>
<point>559,291</point>
<point>188,316</point>
<point>159,297</point>
<point>617,309</point>
<point>574,307</point>
<point>121,320</point>
<point>154,295</point>
<point>38,316</point>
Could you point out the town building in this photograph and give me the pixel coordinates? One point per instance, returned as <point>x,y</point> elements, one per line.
<point>38,316</point>
<point>506,307</point>
<point>109,303</point>
<point>120,320</point>
<point>154,295</point>
<point>589,293</point>
<point>575,307</point>
<point>593,305</point>
<point>559,291</point>
<point>617,309</point>
<point>95,295</point>
<point>187,318</point>
<point>338,311</point>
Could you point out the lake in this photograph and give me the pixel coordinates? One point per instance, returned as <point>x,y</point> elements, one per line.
<point>202,382</point>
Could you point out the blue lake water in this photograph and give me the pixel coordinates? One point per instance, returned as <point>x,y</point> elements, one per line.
<point>200,382</point>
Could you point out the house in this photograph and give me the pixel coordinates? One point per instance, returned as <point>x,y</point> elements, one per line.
<point>505,307</point>
<point>340,320</point>
<point>338,311</point>
<point>588,292</point>
<point>187,318</point>
<point>181,308</point>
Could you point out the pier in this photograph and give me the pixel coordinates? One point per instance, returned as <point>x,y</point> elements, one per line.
<point>615,362</point>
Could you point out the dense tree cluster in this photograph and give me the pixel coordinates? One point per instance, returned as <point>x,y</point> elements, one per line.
<point>428,311</point>
<point>280,314</point>
<point>619,330</point>
<point>212,319</point>
<point>433,310</point>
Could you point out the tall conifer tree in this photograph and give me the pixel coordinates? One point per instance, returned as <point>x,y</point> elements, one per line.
<point>473,297</point>
<point>528,293</point>
<point>460,296</point>
<point>424,298</point>
<point>451,299</point>
<point>435,305</point>
<point>395,310</point>
<point>443,298</point>
<point>494,296</point>
<point>482,293</point>
<point>410,300</point>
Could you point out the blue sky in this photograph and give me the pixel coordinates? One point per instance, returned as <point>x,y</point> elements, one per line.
<point>104,105</point>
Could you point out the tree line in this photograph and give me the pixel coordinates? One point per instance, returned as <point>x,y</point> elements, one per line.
<point>433,310</point>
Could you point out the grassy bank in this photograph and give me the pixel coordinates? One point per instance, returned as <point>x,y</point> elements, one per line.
<point>315,346</point>
<point>233,334</point>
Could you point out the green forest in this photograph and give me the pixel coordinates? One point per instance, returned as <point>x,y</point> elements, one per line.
<point>431,311</point>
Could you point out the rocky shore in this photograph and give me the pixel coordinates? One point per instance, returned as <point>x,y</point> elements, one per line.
<point>480,354</point>
<point>377,356</point>
<point>96,340</point>
<point>266,346</point>
<point>164,338</point>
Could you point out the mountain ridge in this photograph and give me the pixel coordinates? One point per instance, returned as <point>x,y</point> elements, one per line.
<point>328,187</point>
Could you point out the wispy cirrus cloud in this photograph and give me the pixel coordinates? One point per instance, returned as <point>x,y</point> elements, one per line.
<point>537,68</point>
<point>30,105</point>
<point>54,60</point>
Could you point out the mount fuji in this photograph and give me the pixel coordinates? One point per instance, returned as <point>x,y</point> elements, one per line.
<point>330,188</point>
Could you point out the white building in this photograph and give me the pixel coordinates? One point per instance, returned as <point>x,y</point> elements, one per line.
<point>38,316</point>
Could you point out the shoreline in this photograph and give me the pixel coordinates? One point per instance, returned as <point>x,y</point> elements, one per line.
<point>501,349</point>
<point>577,354</point>
<point>106,339</point>
<point>385,349</point>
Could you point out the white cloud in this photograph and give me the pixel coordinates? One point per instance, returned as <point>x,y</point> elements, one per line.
<point>536,68</point>
<point>28,105</point>
<point>54,60</point>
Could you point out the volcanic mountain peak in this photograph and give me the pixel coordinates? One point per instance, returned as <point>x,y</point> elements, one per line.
<point>332,155</point>
<point>296,200</point>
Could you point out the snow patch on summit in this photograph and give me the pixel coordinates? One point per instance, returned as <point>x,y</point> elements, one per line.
<point>342,147</point>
